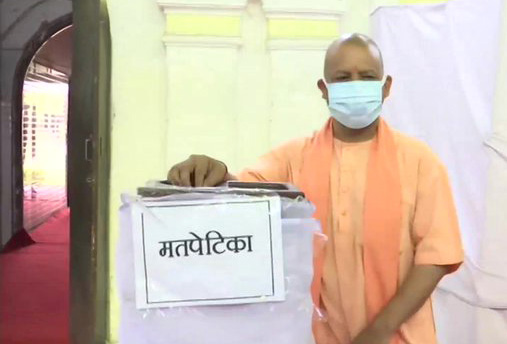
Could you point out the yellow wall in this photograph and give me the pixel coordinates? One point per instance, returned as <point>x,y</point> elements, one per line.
<point>138,108</point>
<point>198,25</point>
<point>412,2</point>
<point>302,28</point>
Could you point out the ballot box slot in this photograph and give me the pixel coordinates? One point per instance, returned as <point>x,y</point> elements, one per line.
<point>165,188</point>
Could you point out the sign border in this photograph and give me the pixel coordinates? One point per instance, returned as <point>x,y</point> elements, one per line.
<point>148,302</point>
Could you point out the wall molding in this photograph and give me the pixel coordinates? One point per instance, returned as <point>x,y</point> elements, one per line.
<point>302,28</point>
<point>227,8</point>
<point>298,45</point>
<point>203,41</point>
<point>235,7</point>
<point>303,14</point>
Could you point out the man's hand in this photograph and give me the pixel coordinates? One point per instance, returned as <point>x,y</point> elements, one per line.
<point>198,170</point>
<point>414,291</point>
<point>372,336</point>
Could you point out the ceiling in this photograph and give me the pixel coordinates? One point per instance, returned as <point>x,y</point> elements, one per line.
<point>56,53</point>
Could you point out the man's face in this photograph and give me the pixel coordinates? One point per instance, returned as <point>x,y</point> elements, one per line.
<point>350,62</point>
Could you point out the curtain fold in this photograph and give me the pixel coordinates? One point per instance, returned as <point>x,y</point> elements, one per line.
<point>450,82</point>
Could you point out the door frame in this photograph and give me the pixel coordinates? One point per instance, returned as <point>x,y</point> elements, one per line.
<point>89,169</point>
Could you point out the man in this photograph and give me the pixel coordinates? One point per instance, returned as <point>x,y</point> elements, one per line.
<point>383,199</point>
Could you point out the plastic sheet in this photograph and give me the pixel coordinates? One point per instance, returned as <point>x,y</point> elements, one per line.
<point>287,322</point>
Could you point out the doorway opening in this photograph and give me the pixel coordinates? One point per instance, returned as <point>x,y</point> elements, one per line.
<point>44,130</point>
<point>42,144</point>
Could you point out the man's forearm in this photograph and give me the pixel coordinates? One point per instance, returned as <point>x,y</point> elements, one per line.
<point>417,288</point>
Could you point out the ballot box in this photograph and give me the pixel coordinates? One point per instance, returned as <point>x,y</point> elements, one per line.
<point>225,265</point>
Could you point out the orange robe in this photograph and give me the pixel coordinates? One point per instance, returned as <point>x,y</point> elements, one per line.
<point>429,228</point>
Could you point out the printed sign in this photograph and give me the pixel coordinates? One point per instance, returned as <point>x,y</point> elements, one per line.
<point>208,252</point>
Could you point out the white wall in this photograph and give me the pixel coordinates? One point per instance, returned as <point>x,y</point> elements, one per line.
<point>235,97</point>
<point>232,97</point>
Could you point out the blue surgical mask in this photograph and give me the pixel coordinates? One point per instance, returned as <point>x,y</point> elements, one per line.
<point>355,104</point>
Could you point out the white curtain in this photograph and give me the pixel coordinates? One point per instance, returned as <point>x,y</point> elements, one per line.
<point>445,60</point>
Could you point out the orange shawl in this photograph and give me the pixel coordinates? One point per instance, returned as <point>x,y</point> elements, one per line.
<point>382,212</point>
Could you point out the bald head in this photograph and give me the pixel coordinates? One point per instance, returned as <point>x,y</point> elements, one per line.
<point>353,54</point>
<point>352,58</point>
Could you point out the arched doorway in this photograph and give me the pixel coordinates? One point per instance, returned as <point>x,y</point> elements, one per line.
<point>39,123</point>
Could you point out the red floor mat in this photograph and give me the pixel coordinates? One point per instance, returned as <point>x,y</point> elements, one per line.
<point>34,287</point>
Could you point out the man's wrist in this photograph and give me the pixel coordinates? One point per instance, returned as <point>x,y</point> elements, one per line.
<point>383,325</point>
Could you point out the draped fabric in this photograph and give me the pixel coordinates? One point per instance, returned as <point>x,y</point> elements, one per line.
<point>449,72</point>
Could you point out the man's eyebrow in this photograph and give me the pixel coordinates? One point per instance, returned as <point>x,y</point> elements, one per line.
<point>368,71</point>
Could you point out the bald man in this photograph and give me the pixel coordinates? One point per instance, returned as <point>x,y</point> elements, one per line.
<point>383,200</point>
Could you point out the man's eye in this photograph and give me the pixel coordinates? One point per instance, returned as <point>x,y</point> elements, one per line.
<point>369,77</point>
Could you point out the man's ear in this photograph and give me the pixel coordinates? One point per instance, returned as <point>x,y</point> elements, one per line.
<point>386,89</point>
<point>323,88</point>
